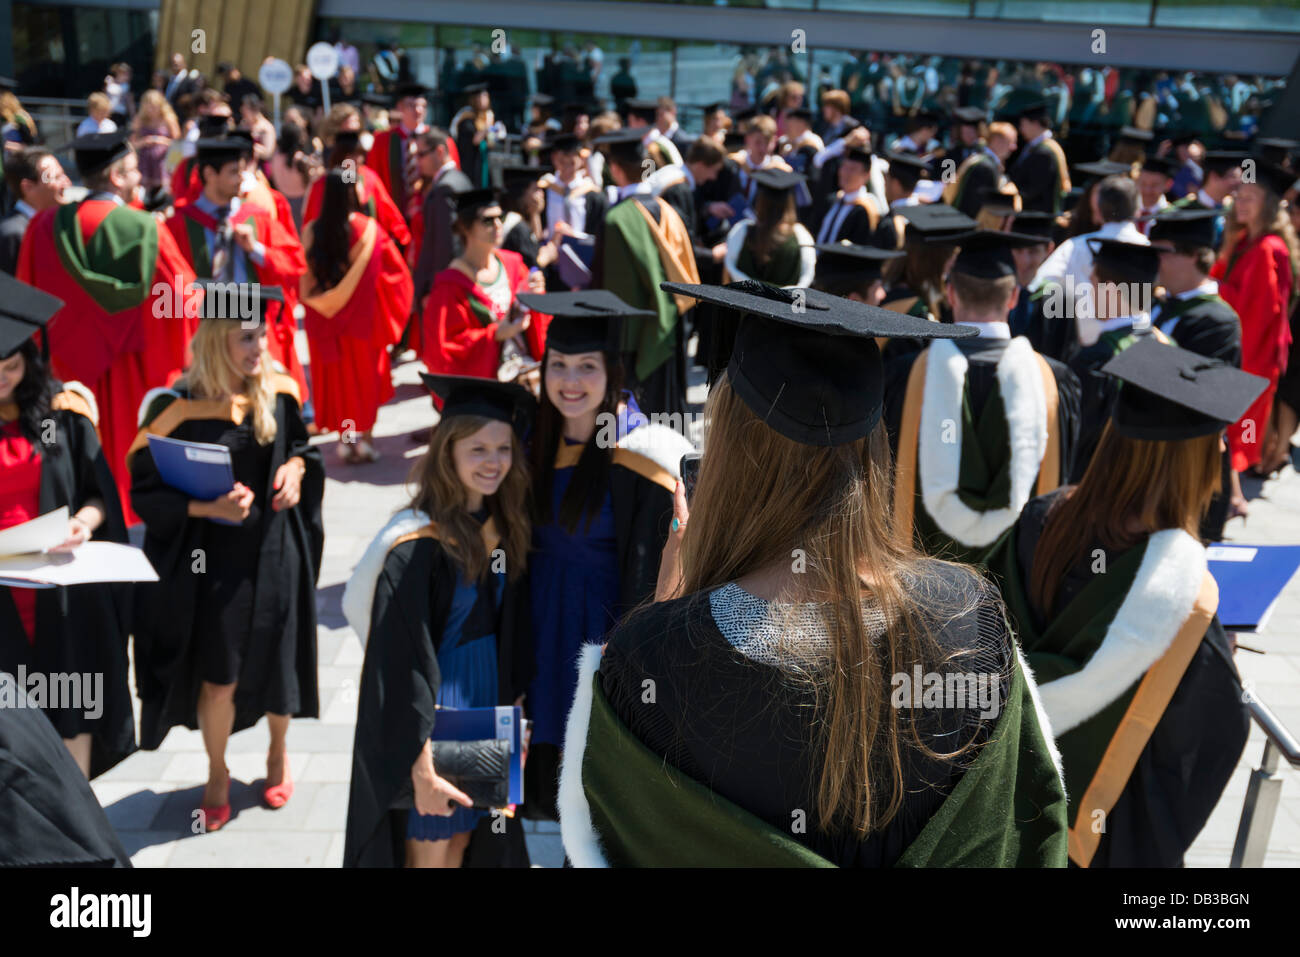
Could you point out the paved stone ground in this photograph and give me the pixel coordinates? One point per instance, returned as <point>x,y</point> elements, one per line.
<point>151,797</point>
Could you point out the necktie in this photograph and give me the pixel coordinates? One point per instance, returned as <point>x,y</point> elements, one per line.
<point>411,169</point>
<point>223,263</point>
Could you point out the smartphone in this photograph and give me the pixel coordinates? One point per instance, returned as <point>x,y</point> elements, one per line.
<point>690,468</point>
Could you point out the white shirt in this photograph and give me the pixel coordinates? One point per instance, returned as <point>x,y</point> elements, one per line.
<point>1208,287</point>
<point>830,229</point>
<point>638,188</point>
<point>1139,323</point>
<point>1205,199</point>
<point>1074,257</point>
<point>989,330</point>
<point>26,208</point>
<point>88,126</point>
<point>1145,228</point>
<point>568,207</point>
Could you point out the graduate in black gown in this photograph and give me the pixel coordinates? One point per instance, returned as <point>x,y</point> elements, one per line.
<point>1108,590</point>
<point>229,633</point>
<point>1195,317</point>
<point>524,205</point>
<point>716,728</point>
<point>440,600</point>
<point>978,426</point>
<point>1120,272</point>
<point>50,458</point>
<point>51,816</point>
<point>603,480</point>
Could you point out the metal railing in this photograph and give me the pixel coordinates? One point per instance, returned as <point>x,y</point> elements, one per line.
<point>1265,788</point>
<point>56,119</point>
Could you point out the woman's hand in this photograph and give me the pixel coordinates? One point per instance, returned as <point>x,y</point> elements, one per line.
<point>233,507</point>
<point>508,330</point>
<point>288,483</point>
<point>670,563</point>
<point>434,795</point>
<point>79,533</point>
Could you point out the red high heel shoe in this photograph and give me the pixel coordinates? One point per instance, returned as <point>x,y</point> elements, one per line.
<point>277,796</point>
<point>216,817</point>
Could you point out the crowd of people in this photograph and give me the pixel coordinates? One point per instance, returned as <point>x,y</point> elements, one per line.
<point>950,362</point>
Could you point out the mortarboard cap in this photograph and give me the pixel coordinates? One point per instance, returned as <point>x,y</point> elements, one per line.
<point>1032,222</point>
<point>467,201</point>
<point>844,259</point>
<point>813,373</point>
<point>347,140</point>
<point>214,124</point>
<point>381,100</point>
<point>1184,226</point>
<point>623,145</point>
<point>933,222</point>
<point>1133,134</point>
<point>414,91</point>
<point>859,154</point>
<point>1132,262</point>
<point>544,100</point>
<point>1170,394</point>
<point>580,321</point>
<point>1029,106</point>
<point>1103,168</point>
<point>97,151</point>
<point>241,301</point>
<point>996,202</point>
<point>1274,178</point>
<point>471,395</point>
<point>514,178</point>
<point>1275,149</point>
<point>1158,164</point>
<point>645,109</point>
<point>801,113</point>
<point>564,142</point>
<point>24,311</point>
<point>968,115</point>
<point>777,180</point>
<point>986,253</point>
<point>8,83</point>
<point>906,163</point>
<point>469,89</point>
<point>1222,161</point>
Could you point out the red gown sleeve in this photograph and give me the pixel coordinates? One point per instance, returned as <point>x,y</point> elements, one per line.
<point>311,208</point>
<point>377,160</point>
<point>454,341</point>
<point>386,211</point>
<point>396,291</point>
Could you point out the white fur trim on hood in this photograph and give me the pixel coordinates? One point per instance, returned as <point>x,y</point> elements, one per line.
<point>76,388</point>
<point>577,832</point>
<point>1161,597</point>
<point>1021,383</point>
<point>359,593</point>
<point>1044,719</point>
<point>660,444</point>
<point>148,401</point>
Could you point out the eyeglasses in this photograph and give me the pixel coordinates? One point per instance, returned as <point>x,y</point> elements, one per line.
<point>491,220</point>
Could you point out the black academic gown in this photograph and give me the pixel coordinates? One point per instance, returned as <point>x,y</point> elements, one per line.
<point>396,709</point>
<point>1192,752</point>
<point>82,629</point>
<point>1209,326</point>
<point>278,670</point>
<point>520,239</point>
<point>1099,391</point>
<point>50,815</point>
<point>982,356</point>
<point>643,510</point>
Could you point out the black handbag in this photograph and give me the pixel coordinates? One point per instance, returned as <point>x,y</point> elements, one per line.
<point>479,768</point>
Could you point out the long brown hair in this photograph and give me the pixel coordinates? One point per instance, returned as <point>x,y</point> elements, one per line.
<point>441,495</point>
<point>759,498</point>
<point>1132,488</point>
<point>775,216</point>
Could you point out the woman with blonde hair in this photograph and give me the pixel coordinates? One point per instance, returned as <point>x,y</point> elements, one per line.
<point>17,130</point>
<point>229,631</point>
<point>1107,587</point>
<point>440,602</point>
<point>768,709</point>
<point>153,131</point>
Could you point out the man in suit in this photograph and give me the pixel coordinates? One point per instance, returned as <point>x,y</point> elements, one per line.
<point>438,248</point>
<point>1040,171</point>
<point>36,178</point>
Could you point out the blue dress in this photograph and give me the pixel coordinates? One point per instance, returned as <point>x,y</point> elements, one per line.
<point>469,680</point>
<point>575,594</point>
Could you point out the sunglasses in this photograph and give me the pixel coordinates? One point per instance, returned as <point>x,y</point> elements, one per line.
<point>491,220</point>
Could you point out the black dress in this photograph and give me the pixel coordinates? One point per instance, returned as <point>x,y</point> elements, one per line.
<point>233,603</point>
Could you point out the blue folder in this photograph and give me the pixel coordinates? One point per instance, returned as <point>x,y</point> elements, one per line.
<point>1250,580</point>
<point>201,470</point>
<point>480,724</point>
<point>575,259</point>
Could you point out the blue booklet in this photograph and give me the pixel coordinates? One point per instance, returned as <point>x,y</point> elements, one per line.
<point>479,724</point>
<point>1251,578</point>
<point>201,470</point>
<point>576,255</point>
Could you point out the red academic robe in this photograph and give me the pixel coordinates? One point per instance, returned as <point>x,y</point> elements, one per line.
<point>121,331</point>
<point>460,322</point>
<point>1258,286</point>
<point>387,157</point>
<point>283,265</point>
<point>374,199</point>
<point>351,327</point>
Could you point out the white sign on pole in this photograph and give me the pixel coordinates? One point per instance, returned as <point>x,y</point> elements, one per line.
<point>323,61</point>
<point>276,77</point>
